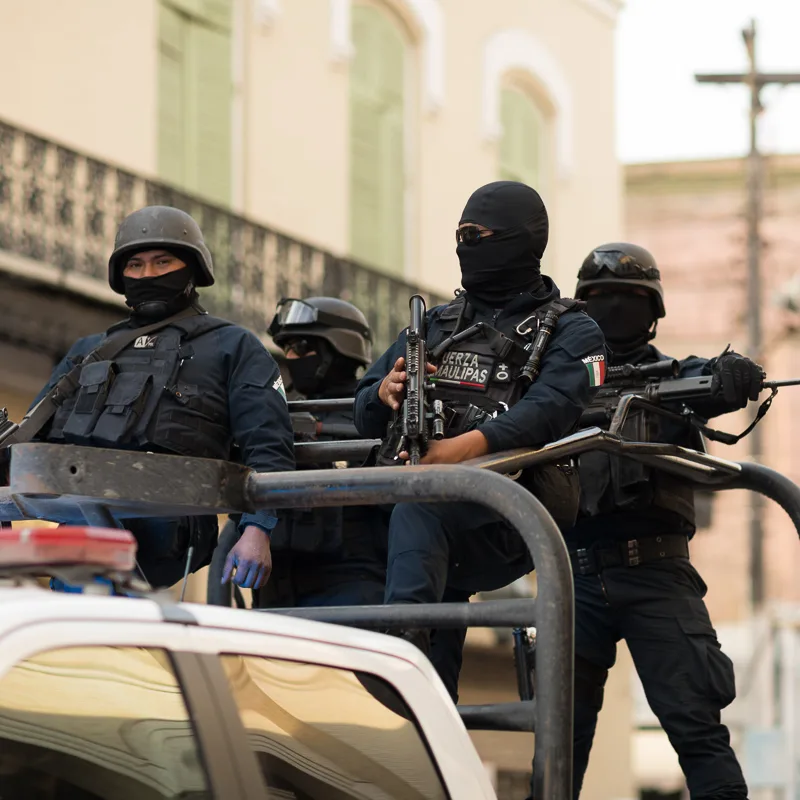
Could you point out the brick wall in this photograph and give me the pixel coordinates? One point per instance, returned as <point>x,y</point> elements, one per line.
<point>691,216</point>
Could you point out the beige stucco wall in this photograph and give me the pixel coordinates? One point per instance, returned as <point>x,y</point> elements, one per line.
<point>297,128</point>
<point>83,72</point>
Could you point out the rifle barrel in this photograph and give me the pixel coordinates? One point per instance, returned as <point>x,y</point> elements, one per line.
<point>780,384</point>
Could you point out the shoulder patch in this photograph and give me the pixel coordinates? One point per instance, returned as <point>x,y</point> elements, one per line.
<point>278,387</point>
<point>596,367</point>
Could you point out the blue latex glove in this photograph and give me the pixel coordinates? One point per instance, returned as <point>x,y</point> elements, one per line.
<point>251,559</point>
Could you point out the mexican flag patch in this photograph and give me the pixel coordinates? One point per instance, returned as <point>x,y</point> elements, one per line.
<point>596,367</point>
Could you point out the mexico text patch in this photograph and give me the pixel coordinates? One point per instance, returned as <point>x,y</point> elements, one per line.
<point>596,367</point>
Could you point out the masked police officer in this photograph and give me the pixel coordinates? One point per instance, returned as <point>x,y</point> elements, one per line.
<point>326,556</point>
<point>633,578</point>
<point>465,548</point>
<point>181,382</point>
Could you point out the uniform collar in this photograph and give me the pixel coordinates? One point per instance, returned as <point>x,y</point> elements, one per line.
<point>522,303</point>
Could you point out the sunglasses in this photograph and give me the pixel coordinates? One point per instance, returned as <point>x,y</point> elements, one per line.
<point>300,347</point>
<point>471,235</point>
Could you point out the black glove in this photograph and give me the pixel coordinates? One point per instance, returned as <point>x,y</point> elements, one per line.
<point>738,379</point>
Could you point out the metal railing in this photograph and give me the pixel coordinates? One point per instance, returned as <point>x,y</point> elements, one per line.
<point>62,483</point>
<point>61,208</point>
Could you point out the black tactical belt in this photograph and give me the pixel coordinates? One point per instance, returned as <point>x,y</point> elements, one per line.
<point>628,553</point>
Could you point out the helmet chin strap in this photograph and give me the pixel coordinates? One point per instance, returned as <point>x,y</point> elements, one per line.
<point>325,362</point>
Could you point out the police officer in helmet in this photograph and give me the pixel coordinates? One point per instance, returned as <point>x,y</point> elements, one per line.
<point>454,550</point>
<point>179,381</point>
<point>326,341</point>
<point>326,556</point>
<point>629,547</point>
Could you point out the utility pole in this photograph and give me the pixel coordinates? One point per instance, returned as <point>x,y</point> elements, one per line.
<point>755,81</point>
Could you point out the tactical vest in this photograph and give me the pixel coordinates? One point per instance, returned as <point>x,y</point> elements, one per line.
<point>610,484</point>
<point>479,378</point>
<point>138,401</point>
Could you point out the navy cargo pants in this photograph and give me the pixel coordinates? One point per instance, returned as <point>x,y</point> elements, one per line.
<point>658,609</point>
<point>445,552</point>
<point>439,546</point>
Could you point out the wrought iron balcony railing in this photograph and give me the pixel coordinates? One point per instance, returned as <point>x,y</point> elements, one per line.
<point>61,208</point>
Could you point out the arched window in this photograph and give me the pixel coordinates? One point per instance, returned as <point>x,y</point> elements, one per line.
<point>521,145</point>
<point>377,139</point>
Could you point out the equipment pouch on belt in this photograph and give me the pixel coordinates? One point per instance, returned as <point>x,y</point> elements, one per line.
<point>95,383</point>
<point>558,488</point>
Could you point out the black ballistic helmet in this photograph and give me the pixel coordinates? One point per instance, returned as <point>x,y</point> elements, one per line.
<point>160,226</point>
<point>336,321</point>
<point>621,263</point>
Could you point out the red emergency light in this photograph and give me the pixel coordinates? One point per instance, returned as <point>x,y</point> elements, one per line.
<point>107,548</point>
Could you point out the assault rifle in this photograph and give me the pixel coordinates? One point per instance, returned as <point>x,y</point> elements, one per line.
<point>653,386</point>
<point>419,418</point>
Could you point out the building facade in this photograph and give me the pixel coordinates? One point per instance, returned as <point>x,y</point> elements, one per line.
<point>691,216</point>
<point>325,147</point>
<point>360,126</point>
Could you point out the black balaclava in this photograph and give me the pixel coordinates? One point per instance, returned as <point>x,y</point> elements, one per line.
<point>504,265</point>
<point>323,372</point>
<point>626,320</point>
<point>162,296</point>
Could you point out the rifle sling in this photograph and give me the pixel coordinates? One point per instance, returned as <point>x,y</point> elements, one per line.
<point>68,384</point>
<point>732,438</point>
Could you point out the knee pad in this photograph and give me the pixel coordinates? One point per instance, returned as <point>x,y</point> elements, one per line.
<point>590,681</point>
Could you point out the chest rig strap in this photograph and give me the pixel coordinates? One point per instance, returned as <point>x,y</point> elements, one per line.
<point>504,348</point>
<point>544,330</point>
<point>480,367</point>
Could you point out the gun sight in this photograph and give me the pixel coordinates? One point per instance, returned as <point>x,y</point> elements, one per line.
<point>668,368</point>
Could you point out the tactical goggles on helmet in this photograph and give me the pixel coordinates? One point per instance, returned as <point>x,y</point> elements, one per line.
<point>620,264</point>
<point>293,313</point>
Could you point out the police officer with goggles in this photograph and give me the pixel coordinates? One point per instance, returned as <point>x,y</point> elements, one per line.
<point>629,547</point>
<point>325,556</point>
<point>178,381</point>
<point>461,549</point>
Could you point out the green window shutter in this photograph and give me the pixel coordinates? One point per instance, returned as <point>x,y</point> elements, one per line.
<point>171,95</point>
<point>377,141</point>
<point>521,144</point>
<point>210,141</point>
<point>195,96</point>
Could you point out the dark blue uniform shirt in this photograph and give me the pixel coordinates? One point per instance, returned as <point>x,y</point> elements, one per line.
<point>258,414</point>
<point>547,411</point>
